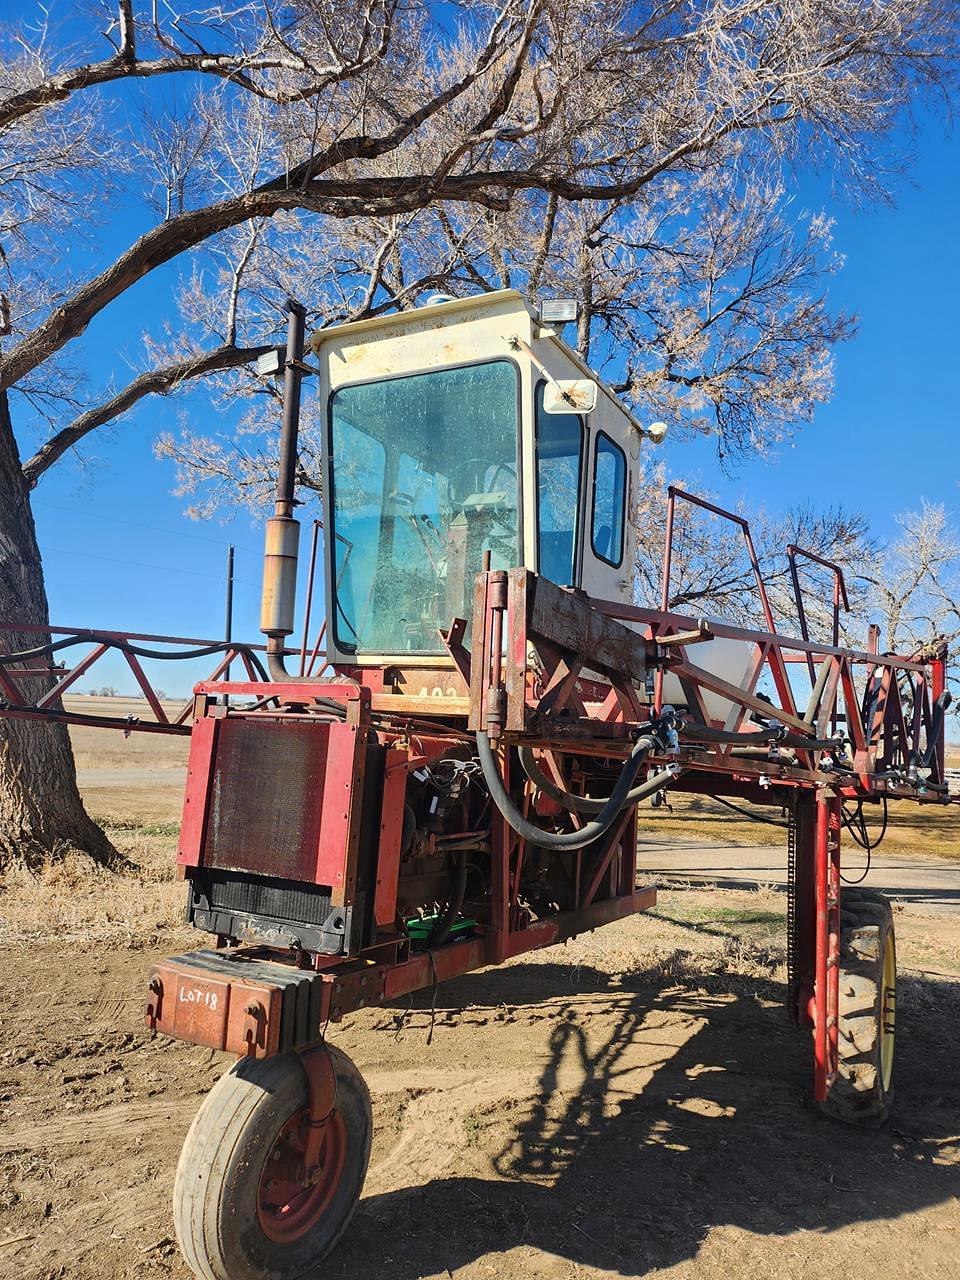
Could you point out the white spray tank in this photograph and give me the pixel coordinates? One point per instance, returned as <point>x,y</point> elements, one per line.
<point>729,659</point>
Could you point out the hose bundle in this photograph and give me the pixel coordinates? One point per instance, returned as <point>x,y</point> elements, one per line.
<point>662,733</point>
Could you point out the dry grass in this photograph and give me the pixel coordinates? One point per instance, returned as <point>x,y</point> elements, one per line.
<point>77,902</point>
<point>703,932</point>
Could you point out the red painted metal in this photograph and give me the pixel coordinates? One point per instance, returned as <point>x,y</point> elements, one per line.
<point>391,835</point>
<point>280,691</point>
<point>280,789</point>
<point>28,629</point>
<point>147,688</point>
<point>128,724</point>
<point>193,1003</point>
<point>196,796</point>
<point>827,949</point>
<point>308,604</point>
<point>23,705</point>
<point>672,494</point>
<point>839,593</point>
<point>337,818</point>
<point>82,667</point>
<point>322,1081</point>
<point>297,1183</point>
<point>614,847</point>
<point>304,1167</point>
<point>345,987</point>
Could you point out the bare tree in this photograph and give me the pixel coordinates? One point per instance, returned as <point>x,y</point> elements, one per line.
<point>369,152</point>
<point>916,585</point>
<point>705,303</point>
<point>712,576</point>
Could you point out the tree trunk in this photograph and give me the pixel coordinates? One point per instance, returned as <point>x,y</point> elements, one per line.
<point>41,813</point>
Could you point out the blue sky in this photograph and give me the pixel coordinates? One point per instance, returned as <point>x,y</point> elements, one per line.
<point>120,553</point>
<point>891,433</point>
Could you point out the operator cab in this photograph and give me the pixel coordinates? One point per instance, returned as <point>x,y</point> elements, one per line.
<point>447,440</point>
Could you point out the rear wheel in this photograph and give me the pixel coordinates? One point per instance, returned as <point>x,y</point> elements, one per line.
<point>863,1090</point>
<point>244,1205</point>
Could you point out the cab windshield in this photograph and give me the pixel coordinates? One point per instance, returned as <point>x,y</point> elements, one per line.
<point>424,481</point>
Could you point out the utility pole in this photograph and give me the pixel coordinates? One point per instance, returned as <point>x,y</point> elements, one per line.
<point>228,624</point>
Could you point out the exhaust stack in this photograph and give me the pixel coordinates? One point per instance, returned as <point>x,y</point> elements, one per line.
<point>278,600</point>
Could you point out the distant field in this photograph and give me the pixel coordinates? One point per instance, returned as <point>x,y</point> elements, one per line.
<point>98,748</point>
<point>137,778</point>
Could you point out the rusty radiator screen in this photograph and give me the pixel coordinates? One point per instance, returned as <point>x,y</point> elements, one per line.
<point>266,797</point>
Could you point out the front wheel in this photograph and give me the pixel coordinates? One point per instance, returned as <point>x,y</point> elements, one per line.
<point>863,1090</point>
<point>244,1206</point>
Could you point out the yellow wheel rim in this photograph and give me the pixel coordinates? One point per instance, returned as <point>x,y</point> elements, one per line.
<point>888,1011</point>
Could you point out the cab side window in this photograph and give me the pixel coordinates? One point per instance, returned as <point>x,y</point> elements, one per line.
<point>609,500</point>
<point>559,447</point>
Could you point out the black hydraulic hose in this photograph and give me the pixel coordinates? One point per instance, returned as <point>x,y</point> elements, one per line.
<point>95,637</point>
<point>591,804</point>
<point>924,784</point>
<point>585,804</point>
<point>754,817</point>
<point>568,840</point>
<point>697,732</point>
<point>46,650</point>
<point>939,712</point>
<point>441,930</point>
<point>799,742</point>
<point>693,731</point>
<point>856,824</point>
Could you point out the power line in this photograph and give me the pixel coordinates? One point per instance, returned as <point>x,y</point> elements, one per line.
<point>139,564</point>
<point>138,524</point>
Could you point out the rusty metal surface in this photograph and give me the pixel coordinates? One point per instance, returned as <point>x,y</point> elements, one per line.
<point>839,593</point>
<point>240,1015</point>
<point>826,1000</point>
<point>263,814</point>
<point>391,833</point>
<point>248,1005</point>
<point>196,797</point>
<point>237,1001</point>
<point>336,822</point>
<point>568,620</point>
<point>322,1083</point>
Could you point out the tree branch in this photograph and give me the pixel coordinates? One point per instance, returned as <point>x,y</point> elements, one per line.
<point>155,381</point>
<point>236,68</point>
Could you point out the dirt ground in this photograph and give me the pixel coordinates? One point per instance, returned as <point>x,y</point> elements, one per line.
<point>634,1103</point>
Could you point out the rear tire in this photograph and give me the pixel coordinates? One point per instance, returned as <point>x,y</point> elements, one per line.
<point>227,1224</point>
<point>862,1093</point>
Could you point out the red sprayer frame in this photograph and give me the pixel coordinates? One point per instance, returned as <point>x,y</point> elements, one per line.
<point>573,679</point>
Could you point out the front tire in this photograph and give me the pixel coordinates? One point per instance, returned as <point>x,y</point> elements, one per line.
<point>241,1206</point>
<point>862,1093</point>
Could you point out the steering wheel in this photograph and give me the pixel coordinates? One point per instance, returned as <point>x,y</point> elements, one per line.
<point>399,496</point>
<point>467,478</point>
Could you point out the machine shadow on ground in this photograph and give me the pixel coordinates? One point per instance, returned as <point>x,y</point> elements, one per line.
<point>693,1111</point>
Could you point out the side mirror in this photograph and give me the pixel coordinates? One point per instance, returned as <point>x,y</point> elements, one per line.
<point>577,395</point>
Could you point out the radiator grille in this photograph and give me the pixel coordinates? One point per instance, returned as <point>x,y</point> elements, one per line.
<point>288,901</point>
<point>265,809</point>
